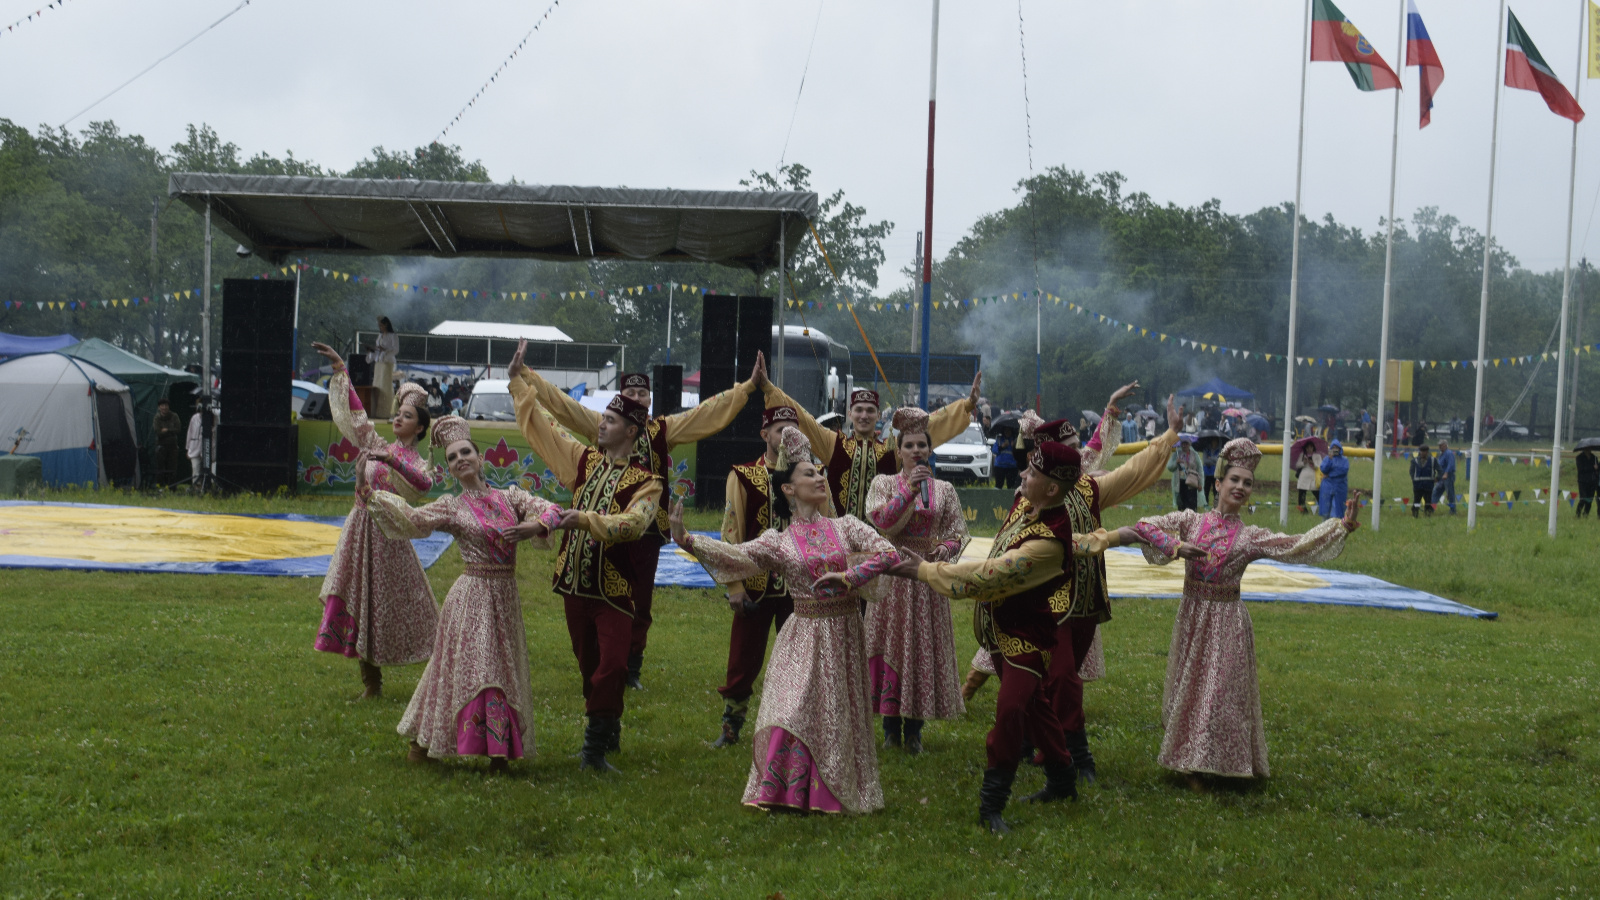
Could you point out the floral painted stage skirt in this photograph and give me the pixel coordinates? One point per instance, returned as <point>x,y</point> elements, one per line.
<point>911,654</point>
<point>377,604</point>
<point>1211,707</point>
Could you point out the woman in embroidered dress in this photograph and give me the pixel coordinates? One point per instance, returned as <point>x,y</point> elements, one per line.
<point>474,698</point>
<point>911,645</point>
<point>377,605</point>
<point>1211,707</point>
<point>813,747</point>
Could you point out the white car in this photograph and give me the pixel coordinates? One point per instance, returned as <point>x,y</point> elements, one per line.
<point>965,458</point>
<point>490,402</point>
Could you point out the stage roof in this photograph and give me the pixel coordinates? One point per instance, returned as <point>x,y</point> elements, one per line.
<point>508,330</point>
<point>279,215</point>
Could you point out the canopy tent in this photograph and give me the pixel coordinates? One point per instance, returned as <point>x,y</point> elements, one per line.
<point>277,215</point>
<point>148,382</point>
<point>74,416</point>
<point>21,345</point>
<point>1219,390</point>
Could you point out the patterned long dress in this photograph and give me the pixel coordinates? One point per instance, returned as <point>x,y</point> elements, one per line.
<point>474,697</point>
<point>377,604</point>
<point>911,644</point>
<point>1211,706</point>
<point>813,747</point>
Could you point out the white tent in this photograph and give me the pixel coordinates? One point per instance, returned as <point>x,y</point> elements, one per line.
<point>76,417</point>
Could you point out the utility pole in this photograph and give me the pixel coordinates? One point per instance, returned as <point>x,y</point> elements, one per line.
<point>1572,403</point>
<point>157,341</point>
<point>916,266</point>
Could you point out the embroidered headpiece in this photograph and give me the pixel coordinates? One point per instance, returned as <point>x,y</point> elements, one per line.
<point>412,394</point>
<point>636,380</point>
<point>794,448</point>
<point>910,419</point>
<point>1026,423</point>
<point>1056,460</point>
<point>862,395</point>
<point>779,414</point>
<point>449,429</point>
<point>630,409</point>
<point>1240,452</point>
<point>1060,431</point>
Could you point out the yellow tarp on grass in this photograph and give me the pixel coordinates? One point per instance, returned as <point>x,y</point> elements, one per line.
<point>131,534</point>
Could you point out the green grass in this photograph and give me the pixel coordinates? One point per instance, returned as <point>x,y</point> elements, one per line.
<point>177,735</point>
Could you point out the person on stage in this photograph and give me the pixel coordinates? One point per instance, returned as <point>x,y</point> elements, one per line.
<point>474,698</point>
<point>653,450</point>
<point>760,603</point>
<point>598,570</point>
<point>1335,481</point>
<point>852,461</point>
<point>385,350</point>
<point>911,647</point>
<point>1211,706</point>
<point>1030,561</point>
<point>812,748</point>
<point>377,605</point>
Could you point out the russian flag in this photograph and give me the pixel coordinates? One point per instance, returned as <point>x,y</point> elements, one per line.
<point>1420,53</point>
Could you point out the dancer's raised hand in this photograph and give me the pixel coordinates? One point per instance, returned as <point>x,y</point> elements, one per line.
<point>758,372</point>
<point>977,385</point>
<point>675,520</point>
<point>330,354</point>
<point>514,370</point>
<point>1352,508</point>
<point>1118,394</point>
<point>1174,421</point>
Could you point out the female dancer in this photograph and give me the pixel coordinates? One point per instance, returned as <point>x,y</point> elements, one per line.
<point>474,697</point>
<point>1211,707</point>
<point>911,645</point>
<point>377,605</point>
<point>813,740</point>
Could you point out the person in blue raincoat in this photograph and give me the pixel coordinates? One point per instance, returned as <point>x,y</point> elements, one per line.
<point>1335,482</point>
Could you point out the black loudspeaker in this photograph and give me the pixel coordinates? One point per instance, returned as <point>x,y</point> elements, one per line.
<point>732,331</point>
<point>258,458</point>
<point>316,407</point>
<point>666,384</point>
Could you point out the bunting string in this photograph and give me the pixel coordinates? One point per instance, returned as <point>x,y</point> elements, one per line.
<point>496,75</point>
<point>30,17</point>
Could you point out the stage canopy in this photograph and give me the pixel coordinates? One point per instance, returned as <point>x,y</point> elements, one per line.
<point>279,215</point>
<point>1219,390</point>
<point>21,345</point>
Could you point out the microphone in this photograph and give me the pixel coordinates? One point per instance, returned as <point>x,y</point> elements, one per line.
<point>925,494</point>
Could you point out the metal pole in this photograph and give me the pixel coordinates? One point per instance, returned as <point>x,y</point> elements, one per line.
<point>670,289</point>
<point>1388,279</point>
<point>294,343</point>
<point>927,224</point>
<point>1577,360</point>
<point>1566,284</point>
<point>783,335</point>
<point>1038,351</point>
<point>1294,280</point>
<point>208,411</point>
<point>155,292</point>
<point>1483,299</point>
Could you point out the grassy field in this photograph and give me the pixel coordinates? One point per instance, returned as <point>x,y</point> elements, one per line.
<point>177,735</point>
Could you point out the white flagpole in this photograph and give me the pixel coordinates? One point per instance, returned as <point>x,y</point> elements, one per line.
<point>1294,280</point>
<point>1388,281</point>
<point>1483,299</point>
<point>1566,283</point>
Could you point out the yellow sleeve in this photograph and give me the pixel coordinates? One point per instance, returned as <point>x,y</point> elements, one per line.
<point>710,417</point>
<point>1143,470</point>
<point>994,579</point>
<point>582,421</point>
<point>628,525</point>
<point>823,440</point>
<point>1094,543</point>
<point>733,519</point>
<point>945,424</point>
<point>561,453</point>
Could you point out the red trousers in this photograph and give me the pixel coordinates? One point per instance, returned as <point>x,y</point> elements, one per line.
<point>648,556</point>
<point>1073,638</point>
<point>1024,709</point>
<point>747,645</point>
<point>600,633</point>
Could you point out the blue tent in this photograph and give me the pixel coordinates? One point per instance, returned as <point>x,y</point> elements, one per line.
<point>1219,390</point>
<point>19,345</point>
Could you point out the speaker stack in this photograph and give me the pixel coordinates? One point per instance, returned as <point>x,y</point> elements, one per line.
<point>257,442</point>
<point>732,331</point>
<point>666,383</point>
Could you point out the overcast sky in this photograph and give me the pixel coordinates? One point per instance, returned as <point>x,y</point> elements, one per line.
<point>1190,100</point>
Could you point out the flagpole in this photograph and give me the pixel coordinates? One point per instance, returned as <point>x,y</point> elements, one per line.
<point>1388,279</point>
<point>1483,299</point>
<point>927,235</point>
<point>1294,280</point>
<point>1566,282</point>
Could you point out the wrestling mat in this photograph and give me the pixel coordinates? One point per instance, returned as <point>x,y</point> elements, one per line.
<point>143,539</point>
<point>1130,576</point>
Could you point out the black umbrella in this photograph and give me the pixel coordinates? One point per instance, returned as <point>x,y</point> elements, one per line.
<point>1209,435</point>
<point>1009,423</point>
<point>1592,443</point>
<point>1328,408</point>
<point>1092,416</point>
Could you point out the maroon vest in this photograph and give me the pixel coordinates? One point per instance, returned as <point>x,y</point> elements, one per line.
<point>756,479</point>
<point>584,566</point>
<point>1086,597</point>
<point>1023,622</point>
<point>851,469</point>
<point>652,452</point>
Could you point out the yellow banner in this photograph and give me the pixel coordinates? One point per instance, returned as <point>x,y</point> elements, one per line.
<point>1594,39</point>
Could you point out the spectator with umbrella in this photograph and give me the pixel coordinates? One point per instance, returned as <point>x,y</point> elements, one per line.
<point>1444,468</point>
<point>1588,474</point>
<point>1305,457</point>
<point>1335,482</point>
<point>1003,434</point>
<point>1186,474</point>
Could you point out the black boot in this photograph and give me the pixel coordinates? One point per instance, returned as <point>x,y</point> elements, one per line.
<point>597,737</point>
<point>635,666</point>
<point>891,732</point>
<point>1082,759</point>
<point>913,736</point>
<point>1060,783</point>
<point>614,736</point>
<point>992,799</point>
<point>372,680</point>
<point>732,721</point>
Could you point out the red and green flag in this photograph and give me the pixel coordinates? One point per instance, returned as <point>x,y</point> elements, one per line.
<point>1335,39</point>
<point>1527,70</point>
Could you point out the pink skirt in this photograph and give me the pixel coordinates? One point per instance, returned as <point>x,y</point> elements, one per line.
<point>885,687</point>
<point>789,778</point>
<point>488,726</point>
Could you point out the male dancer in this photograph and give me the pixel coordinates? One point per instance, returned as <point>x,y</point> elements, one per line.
<point>853,461</point>
<point>654,451</point>
<point>1030,562</point>
<point>614,503</point>
<point>760,604</point>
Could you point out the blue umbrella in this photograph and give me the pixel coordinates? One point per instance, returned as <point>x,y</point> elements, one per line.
<point>1258,423</point>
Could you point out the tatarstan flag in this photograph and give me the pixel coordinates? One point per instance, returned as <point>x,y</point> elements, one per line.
<point>1335,39</point>
<point>1527,70</point>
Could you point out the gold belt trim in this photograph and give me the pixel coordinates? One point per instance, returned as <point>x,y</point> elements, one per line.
<point>492,570</point>
<point>831,608</point>
<point>1213,593</point>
